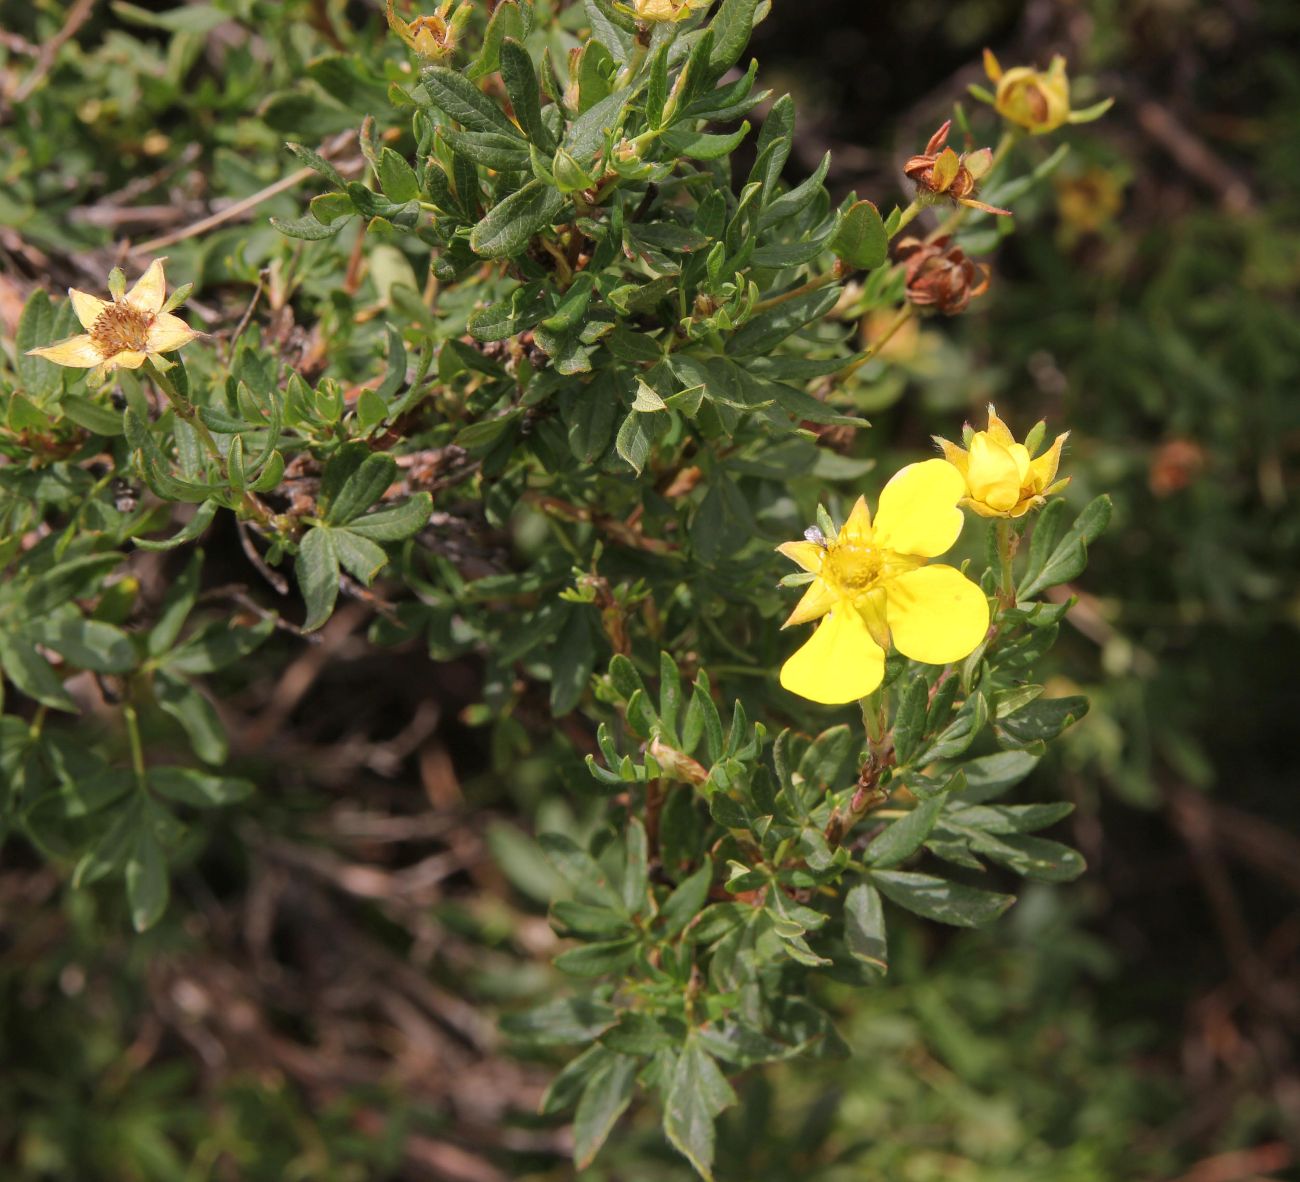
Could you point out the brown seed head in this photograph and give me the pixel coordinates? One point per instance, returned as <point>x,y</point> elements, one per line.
<point>940,276</point>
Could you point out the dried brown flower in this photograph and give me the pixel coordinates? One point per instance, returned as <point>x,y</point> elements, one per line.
<point>940,172</point>
<point>940,276</point>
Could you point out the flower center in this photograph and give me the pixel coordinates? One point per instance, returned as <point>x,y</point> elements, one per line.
<point>853,566</point>
<point>121,328</point>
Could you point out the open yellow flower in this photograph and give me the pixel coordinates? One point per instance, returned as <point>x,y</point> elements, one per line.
<point>124,332</point>
<point>1001,478</point>
<point>872,585</point>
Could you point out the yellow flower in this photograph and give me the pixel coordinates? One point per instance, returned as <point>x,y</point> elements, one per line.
<point>1001,478</point>
<point>433,37</point>
<point>124,332</point>
<point>871,584</point>
<point>655,12</point>
<point>1035,100</point>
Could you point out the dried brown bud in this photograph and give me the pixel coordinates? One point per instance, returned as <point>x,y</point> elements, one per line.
<point>940,172</point>
<point>940,276</point>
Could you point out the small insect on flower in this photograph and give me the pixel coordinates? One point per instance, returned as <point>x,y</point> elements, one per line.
<point>940,172</point>
<point>1002,480</point>
<point>434,36</point>
<point>122,333</point>
<point>872,586</point>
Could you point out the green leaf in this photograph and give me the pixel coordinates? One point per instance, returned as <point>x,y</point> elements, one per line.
<point>317,571</point>
<point>194,528</point>
<point>397,178</point>
<point>605,1097</point>
<point>359,489</point>
<point>1034,857</point>
<point>1070,557</point>
<point>595,960</point>
<point>941,900</point>
<point>687,900</point>
<point>458,97</point>
<point>581,871</point>
<point>703,145</point>
<point>1040,721</point>
<point>195,714</point>
<point>732,29</point>
<point>510,226</point>
<point>318,164</point>
<point>176,607</point>
<point>40,378</point>
<point>215,646</point>
<point>147,887</point>
<point>864,926</point>
<point>397,523</point>
<point>698,1093</point>
<point>991,775</point>
<point>636,876</point>
<point>561,1023</point>
<point>308,228</point>
<point>521,84</point>
<point>900,840</point>
<point>31,673</point>
<point>359,556</point>
<point>764,332</point>
<point>97,419</point>
<point>87,644</point>
<point>634,440</point>
<point>198,789</point>
<point>861,240</point>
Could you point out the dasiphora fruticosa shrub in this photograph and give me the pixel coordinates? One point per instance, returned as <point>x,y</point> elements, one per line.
<point>604,372</point>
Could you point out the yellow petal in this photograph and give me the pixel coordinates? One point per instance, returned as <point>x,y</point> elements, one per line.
<point>808,555</point>
<point>955,455</point>
<point>1044,468</point>
<point>86,306</point>
<point>918,511</point>
<point>816,602</point>
<point>992,475</point>
<point>168,333</point>
<point>936,614</point>
<point>150,291</point>
<point>79,352</point>
<point>945,170</point>
<point>857,528</point>
<point>1020,454</point>
<point>126,359</point>
<point>991,66</point>
<point>998,431</point>
<point>839,663</point>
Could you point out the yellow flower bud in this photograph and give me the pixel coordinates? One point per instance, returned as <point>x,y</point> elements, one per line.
<point>1002,480</point>
<point>654,12</point>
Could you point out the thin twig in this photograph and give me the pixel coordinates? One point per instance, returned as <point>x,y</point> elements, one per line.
<point>239,208</point>
<point>49,52</point>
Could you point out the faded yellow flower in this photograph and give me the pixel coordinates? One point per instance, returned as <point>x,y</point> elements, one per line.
<point>434,36</point>
<point>655,12</point>
<point>1002,480</point>
<point>1037,100</point>
<point>872,586</point>
<point>124,332</point>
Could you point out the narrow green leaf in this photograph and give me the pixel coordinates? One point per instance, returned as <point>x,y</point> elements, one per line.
<point>510,225</point>
<point>698,1093</point>
<point>317,570</point>
<point>396,523</point>
<point>941,900</point>
<point>604,1099</point>
<point>864,926</point>
<point>195,714</point>
<point>198,789</point>
<point>454,94</point>
<point>147,887</point>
